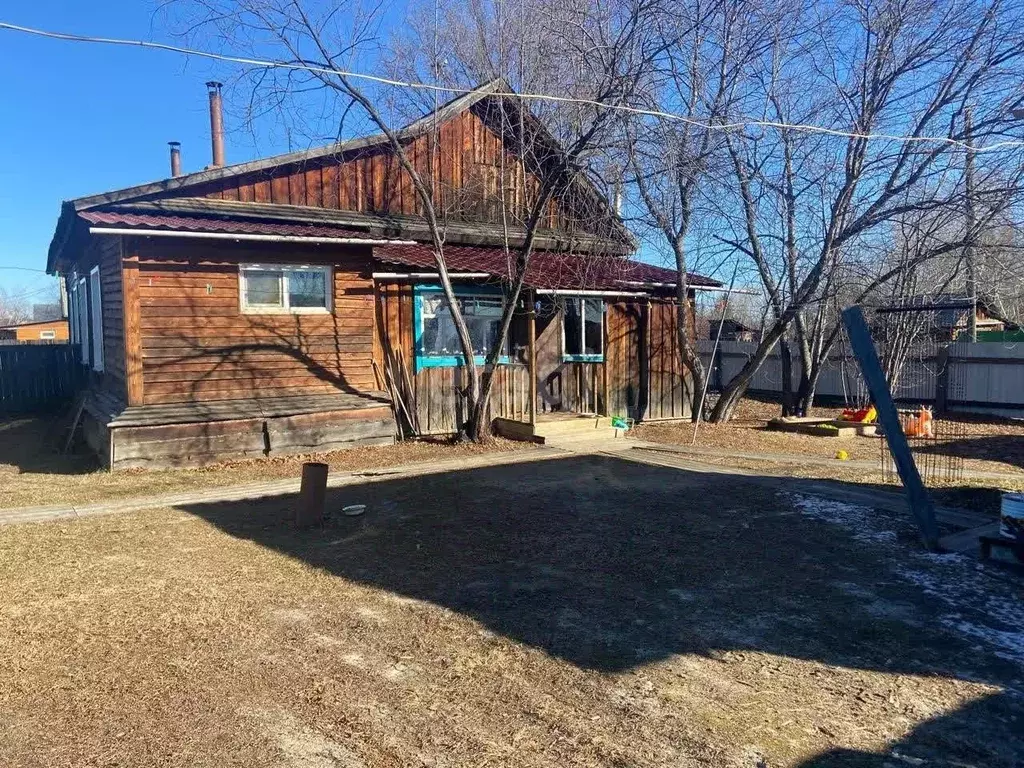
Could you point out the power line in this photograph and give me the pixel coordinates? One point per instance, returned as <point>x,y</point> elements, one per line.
<point>271,64</point>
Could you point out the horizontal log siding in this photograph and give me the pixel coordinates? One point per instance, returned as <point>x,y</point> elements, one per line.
<point>197,345</point>
<point>435,398</point>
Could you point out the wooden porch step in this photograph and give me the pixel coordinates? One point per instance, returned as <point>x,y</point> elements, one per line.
<point>557,427</point>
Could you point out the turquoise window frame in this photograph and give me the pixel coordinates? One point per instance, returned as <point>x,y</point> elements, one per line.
<point>445,361</point>
<point>591,358</point>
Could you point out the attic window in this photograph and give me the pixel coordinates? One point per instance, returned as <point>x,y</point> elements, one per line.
<point>285,288</point>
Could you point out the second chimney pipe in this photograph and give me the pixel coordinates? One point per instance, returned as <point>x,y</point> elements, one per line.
<point>175,157</point>
<point>216,123</point>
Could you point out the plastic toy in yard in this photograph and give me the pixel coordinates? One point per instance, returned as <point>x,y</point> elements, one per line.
<point>861,415</point>
<point>922,425</point>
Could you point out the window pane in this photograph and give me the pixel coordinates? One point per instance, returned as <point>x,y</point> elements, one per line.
<point>573,342</point>
<point>263,289</point>
<point>594,309</point>
<point>482,315</point>
<point>439,337</point>
<point>307,288</point>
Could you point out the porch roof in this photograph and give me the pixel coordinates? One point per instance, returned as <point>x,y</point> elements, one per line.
<point>547,270</point>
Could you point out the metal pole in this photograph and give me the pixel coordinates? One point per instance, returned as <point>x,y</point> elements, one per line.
<point>714,354</point>
<point>867,357</point>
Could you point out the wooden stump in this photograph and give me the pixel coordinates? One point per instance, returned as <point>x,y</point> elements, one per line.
<point>310,511</point>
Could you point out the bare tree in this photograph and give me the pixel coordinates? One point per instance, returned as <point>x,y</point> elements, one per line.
<point>14,308</point>
<point>812,207</point>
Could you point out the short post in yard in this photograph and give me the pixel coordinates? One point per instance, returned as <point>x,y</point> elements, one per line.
<point>312,493</point>
<point>867,358</point>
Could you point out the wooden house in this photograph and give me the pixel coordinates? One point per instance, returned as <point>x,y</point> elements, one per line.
<point>41,331</point>
<point>268,307</point>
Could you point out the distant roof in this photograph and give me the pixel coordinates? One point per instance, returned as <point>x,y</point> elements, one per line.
<point>549,270</point>
<point>28,323</point>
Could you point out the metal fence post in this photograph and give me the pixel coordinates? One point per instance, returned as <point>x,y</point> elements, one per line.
<point>867,357</point>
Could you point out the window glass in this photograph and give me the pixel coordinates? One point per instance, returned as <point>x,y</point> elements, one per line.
<point>573,339</point>
<point>592,327</point>
<point>306,288</point>
<point>263,288</point>
<point>583,325</point>
<point>438,337</point>
<point>47,334</point>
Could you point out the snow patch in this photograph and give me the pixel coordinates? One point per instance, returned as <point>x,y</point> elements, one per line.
<point>861,521</point>
<point>980,607</point>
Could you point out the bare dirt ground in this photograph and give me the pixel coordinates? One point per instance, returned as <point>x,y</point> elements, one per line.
<point>34,472</point>
<point>586,611</point>
<point>990,445</point>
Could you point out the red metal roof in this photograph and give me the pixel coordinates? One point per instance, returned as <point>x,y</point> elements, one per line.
<point>546,269</point>
<point>177,223</point>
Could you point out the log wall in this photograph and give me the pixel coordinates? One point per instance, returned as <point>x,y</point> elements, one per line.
<point>433,395</point>
<point>473,176</point>
<point>196,344</point>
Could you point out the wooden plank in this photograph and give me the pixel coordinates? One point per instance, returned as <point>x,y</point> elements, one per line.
<point>132,332</point>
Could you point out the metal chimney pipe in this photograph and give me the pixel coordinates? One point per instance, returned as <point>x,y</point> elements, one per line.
<point>175,157</point>
<point>216,123</point>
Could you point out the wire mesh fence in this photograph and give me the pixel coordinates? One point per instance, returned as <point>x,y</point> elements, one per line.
<point>935,444</point>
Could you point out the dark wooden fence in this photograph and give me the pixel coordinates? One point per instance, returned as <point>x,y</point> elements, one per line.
<point>37,377</point>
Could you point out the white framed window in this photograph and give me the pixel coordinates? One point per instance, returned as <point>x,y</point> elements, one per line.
<point>47,335</point>
<point>82,301</point>
<point>285,288</point>
<point>96,326</point>
<point>583,330</point>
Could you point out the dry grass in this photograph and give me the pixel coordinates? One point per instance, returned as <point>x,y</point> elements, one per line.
<point>33,472</point>
<point>577,612</point>
<point>991,446</point>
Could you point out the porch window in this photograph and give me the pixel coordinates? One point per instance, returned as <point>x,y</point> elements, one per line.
<point>437,343</point>
<point>285,288</point>
<point>583,330</point>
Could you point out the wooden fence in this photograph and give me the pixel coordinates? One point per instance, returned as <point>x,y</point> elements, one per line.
<point>36,377</point>
<point>984,377</point>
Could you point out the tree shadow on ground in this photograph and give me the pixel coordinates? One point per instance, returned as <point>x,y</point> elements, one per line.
<point>34,443</point>
<point>612,565</point>
<point>1005,449</point>
<point>965,738</point>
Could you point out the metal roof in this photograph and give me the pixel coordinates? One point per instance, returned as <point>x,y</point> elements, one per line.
<point>565,270</point>
<point>550,270</point>
<point>183,223</point>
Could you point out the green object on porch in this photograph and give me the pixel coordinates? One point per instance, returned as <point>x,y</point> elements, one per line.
<point>619,423</point>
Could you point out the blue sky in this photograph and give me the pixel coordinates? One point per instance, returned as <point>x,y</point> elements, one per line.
<point>82,118</point>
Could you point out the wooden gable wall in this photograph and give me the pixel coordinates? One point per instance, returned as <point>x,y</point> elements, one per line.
<point>466,160</point>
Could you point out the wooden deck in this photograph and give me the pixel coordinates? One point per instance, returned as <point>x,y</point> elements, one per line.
<point>230,410</point>
<point>193,434</point>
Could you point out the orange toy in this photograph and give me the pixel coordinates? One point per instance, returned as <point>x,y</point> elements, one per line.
<point>922,425</point>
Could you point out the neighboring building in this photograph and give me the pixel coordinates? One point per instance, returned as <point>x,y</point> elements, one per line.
<point>732,330</point>
<point>266,307</point>
<point>50,330</point>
